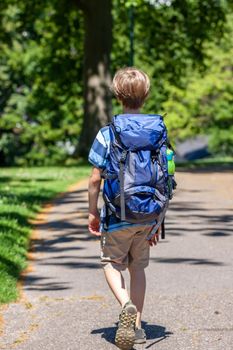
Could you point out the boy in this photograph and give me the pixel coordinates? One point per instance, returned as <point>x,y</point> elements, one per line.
<point>123,244</point>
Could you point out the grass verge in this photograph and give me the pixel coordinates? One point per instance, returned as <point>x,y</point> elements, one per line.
<point>211,163</point>
<point>22,193</point>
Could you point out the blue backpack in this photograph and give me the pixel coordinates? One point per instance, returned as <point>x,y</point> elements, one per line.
<point>136,177</point>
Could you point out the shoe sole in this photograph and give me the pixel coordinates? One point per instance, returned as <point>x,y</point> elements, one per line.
<point>125,335</point>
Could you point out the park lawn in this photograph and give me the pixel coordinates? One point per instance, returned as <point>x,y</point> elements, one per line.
<point>22,193</point>
<point>211,163</point>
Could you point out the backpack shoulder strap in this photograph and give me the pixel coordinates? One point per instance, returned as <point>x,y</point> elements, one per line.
<point>121,168</point>
<point>116,135</point>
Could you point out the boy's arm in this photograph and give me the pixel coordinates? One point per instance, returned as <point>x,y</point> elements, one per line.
<point>93,194</point>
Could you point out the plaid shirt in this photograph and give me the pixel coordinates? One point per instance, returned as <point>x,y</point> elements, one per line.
<point>98,156</point>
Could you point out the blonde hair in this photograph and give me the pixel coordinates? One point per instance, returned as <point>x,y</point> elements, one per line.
<point>131,86</point>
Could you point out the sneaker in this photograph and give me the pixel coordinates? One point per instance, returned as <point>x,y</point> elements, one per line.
<point>125,334</point>
<point>140,336</point>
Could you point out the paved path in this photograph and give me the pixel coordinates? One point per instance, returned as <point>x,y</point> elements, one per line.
<point>66,304</point>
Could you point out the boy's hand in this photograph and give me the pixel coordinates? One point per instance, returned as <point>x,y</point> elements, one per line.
<point>94,224</point>
<point>154,240</point>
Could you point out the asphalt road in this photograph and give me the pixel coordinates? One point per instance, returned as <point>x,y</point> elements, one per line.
<point>66,304</point>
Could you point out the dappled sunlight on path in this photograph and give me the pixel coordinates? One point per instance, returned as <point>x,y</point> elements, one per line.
<point>67,305</point>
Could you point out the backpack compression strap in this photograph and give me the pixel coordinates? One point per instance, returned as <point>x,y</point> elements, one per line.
<point>159,222</point>
<point>121,175</point>
<point>121,170</point>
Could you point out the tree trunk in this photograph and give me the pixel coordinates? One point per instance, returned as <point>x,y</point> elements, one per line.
<point>97,78</point>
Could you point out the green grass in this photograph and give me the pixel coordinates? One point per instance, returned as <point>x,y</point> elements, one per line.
<point>219,163</point>
<point>22,192</point>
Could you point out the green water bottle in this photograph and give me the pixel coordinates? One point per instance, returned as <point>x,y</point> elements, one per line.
<point>170,162</point>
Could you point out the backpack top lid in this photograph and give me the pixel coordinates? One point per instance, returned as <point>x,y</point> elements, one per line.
<point>140,131</point>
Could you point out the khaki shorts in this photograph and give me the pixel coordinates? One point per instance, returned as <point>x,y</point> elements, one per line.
<point>125,248</point>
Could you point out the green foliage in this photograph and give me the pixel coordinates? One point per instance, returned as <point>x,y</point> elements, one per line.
<point>41,75</point>
<point>169,39</point>
<point>204,104</point>
<point>41,71</point>
<point>22,192</point>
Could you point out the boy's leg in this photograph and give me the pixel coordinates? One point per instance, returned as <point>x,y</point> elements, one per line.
<point>137,290</point>
<point>125,334</point>
<point>114,257</point>
<point>117,284</point>
<point>138,260</point>
<point>118,251</point>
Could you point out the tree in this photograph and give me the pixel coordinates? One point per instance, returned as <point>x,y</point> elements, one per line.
<point>41,81</point>
<point>97,77</point>
<point>172,33</point>
<point>44,83</point>
<point>204,104</point>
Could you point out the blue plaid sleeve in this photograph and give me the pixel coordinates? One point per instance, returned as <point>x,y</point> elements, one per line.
<point>99,150</point>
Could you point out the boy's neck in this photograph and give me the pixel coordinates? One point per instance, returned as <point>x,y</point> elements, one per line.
<point>130,111</point>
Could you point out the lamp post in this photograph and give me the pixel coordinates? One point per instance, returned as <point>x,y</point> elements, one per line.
<point>131,35</point>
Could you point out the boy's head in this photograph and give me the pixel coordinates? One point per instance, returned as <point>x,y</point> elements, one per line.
<point>131,86</point>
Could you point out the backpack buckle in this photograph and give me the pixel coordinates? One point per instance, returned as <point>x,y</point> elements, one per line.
<point>154,156</point>
<point>123,156</point>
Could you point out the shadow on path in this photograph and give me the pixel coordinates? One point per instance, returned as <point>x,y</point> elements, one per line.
<point>64,237</point>
<point>190,261</point>
<point>153,332</point>
<point>191,218</point>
